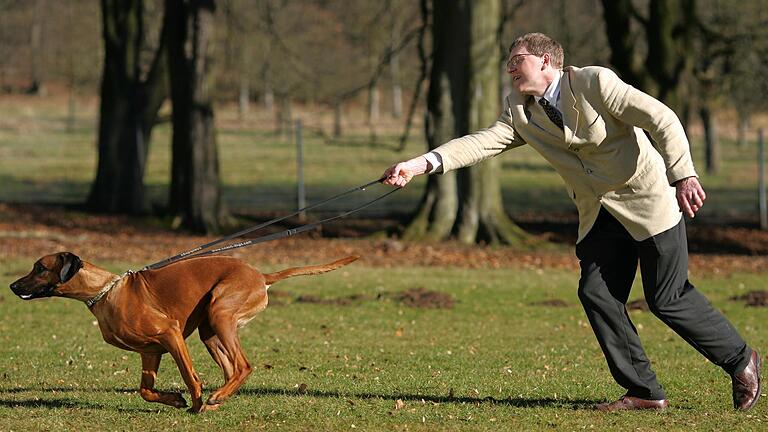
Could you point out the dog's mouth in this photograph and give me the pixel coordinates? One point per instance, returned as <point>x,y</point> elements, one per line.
<point>46,291</point>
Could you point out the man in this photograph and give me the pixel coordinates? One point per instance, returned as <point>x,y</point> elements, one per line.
<point>588,125</point>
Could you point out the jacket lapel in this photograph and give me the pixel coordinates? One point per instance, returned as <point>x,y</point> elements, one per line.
<point>568,104</point>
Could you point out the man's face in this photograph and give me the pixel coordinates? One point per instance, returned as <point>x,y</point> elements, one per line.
<point>528,71</point>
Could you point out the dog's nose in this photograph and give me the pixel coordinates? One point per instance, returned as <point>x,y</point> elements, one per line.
<point>14,286</point>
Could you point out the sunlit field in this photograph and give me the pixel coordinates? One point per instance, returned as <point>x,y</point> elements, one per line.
<point>511,351</point>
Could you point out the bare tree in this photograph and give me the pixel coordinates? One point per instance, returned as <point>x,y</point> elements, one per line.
<point>735,32</point>
<point>130,101</point>
<point>666,33</point>
<point>36,44</point>
<point>464,96</point>
<point>694,49</point>
<point>195,189</point>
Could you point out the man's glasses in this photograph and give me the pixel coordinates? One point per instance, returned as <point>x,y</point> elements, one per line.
<point>516,60</point>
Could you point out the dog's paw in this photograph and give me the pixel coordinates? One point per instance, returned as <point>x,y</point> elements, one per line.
<point>180,402</point>
<point>211,406</point>
<point>195,409</point>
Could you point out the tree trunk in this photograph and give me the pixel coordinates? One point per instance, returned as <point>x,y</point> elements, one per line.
<point>669,58</point>
<point>374,104</point>
<point>711,140</point>
<point>394,71</point>
<point>71,77</point>
<point>36,50</point>
<point>667,39</point>
<point>269,98</point>
<point>743,129</point>
<point>283,117</point>
<point>463,96</point>
<point>128,110</point>
<point>483,217</point>
<point>397,88</point>
<point>244,96</point>
<point>436,214</point>
<point>337,114</point>
<point>617,15</point>
<point>195,189</point>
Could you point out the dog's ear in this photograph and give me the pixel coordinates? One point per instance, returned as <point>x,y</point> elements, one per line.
<point>70,265</point>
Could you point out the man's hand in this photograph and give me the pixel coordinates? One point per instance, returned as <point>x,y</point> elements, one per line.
<point>690,195</point>
<point>401,173</point>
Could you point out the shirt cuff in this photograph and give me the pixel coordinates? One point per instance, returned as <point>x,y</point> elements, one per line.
<point>435,161</point>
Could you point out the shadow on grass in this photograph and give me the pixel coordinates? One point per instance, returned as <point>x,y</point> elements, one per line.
<point>48,403</point>
<point>71,403</point>
<point>518,402</point>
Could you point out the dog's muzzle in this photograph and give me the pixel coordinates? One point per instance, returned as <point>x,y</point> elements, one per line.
<point>45,291</point>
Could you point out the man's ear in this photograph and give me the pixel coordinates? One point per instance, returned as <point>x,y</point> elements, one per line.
<point>70,265</point>
<point>547,60</point>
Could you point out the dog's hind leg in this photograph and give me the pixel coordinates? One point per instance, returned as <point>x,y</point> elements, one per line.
<point>149,366</point>
<point>216,349</point>
<point>227,345</point>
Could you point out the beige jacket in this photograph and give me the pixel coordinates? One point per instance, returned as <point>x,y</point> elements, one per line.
<point>603,155</point>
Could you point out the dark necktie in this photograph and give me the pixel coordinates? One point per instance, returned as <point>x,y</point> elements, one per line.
<point>552,112</point>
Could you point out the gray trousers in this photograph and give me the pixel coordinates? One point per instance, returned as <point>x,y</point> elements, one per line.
<point>608,257</point>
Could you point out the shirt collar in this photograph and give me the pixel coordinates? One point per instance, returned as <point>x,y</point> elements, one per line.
<point>552,94</point>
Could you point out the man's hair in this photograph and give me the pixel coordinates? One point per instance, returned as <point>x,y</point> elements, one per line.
<point>538,44</point>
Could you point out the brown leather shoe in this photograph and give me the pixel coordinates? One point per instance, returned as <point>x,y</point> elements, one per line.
<point>746,384</point>
<point>633,403</point>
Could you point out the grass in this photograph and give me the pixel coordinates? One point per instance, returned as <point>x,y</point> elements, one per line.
<point>499,360</point>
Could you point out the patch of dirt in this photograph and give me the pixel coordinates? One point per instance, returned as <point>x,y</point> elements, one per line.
<point>732,239</point>
<point>753,298</point>
<point>415,297</point>
<point>278,298</point>
<point>36,230</point>
<point>424,299</point>
<point>551,303</point>
<point>339,301</point>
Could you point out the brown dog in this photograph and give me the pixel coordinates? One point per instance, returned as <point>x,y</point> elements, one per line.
<point>152,311</point>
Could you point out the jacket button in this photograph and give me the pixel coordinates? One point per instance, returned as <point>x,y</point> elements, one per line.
<point>589,171</point>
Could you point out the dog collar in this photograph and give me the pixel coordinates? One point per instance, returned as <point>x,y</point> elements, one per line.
<point>106,289</point>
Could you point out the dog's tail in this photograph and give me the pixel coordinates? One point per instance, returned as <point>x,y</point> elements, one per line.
<point>308,270</point>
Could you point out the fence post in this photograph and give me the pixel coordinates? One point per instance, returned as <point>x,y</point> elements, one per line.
<point>300,193</point>
<point>761,180</point>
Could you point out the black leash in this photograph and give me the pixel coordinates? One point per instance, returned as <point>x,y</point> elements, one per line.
<point>201,250</point>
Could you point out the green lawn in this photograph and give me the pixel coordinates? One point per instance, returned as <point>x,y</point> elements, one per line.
<point>498,360</point>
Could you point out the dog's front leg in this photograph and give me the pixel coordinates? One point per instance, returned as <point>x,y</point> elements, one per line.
<point>173,341</point>
<point>149,366</point>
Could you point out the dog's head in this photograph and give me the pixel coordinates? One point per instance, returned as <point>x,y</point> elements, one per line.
<point>48,274</point>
